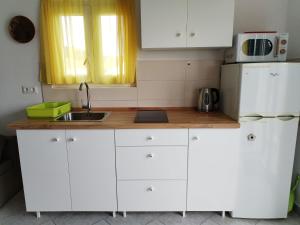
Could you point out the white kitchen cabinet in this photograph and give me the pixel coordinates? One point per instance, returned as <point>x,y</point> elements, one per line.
<point>210,23</point>
<point>212,169</point>
<point>68,170</point>
<point>186,23</point>
<point>44,164</point>
<point>92,170</point>
<point>151,169</point>
<point>163,23</point>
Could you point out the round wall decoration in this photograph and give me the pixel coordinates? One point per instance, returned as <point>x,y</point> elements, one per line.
<point>21,29</point>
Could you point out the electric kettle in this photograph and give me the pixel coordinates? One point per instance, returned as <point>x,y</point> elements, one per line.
<point>208,99</point>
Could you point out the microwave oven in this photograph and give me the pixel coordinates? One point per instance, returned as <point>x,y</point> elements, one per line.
<point>258,47</point>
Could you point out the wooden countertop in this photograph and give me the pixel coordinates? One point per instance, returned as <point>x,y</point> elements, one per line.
<point>124,119</point>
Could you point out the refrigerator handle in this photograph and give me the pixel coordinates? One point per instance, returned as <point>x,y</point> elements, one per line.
<point>251,119</point>
<point>286,118</point>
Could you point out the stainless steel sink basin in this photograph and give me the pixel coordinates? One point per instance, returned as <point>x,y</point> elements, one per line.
<point>83,116</point>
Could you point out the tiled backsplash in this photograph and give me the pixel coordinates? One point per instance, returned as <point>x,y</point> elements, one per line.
<point>160,83</point>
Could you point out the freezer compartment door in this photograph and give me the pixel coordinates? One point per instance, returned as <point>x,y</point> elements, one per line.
<point>265,167</point>
<point>270,89</point>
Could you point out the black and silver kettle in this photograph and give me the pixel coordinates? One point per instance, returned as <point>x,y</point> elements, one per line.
<point>208,99</point>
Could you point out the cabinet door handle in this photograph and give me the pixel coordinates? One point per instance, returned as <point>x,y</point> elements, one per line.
<point>195,138</point>
<point>178,34</point>
<point>193,34</point>
<point>150,138</point>
<point>150,189</point>
<point>72,139</point>
<point>55,140</point>
<point>251,137</point>
<point>150,155</point>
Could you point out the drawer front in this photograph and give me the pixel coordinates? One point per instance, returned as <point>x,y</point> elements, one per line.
<point>203,139</point>
<point>151,137</point>
<point>152,162</point>
<point>152,195</point>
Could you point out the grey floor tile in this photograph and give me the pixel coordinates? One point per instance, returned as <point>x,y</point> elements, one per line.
<point>197,217</point>
<point>217,218</point>
<point>171,218</point>
<point>77,218</point>
<point>102,222</point>
<point>192,218</point>
<point>140,218</point>
<point>14,207</point>
<point>24,219</point>
<point>209,222</point>
<point>120,220</point>
<point>155,222</point>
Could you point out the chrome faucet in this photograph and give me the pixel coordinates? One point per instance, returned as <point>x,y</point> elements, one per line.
<point>88,105</point>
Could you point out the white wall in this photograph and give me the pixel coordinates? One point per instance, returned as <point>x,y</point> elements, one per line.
<point>293,27</point>
<point>18,63</point>
<point>260,15</point>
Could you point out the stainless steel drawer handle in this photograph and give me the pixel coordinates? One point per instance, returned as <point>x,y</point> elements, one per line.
<point>150,189</point>
<point>251,137</point>
<point>150,155</point>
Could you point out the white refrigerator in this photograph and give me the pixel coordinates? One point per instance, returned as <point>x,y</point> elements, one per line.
<point>265,99</point>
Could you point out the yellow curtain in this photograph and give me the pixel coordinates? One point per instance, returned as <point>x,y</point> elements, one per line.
<point>91,41</point>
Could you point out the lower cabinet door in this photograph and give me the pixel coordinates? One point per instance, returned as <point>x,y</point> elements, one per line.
<point>92,170</point>
<point>45,174</point>
<point>212,170</point>
<point>152,195</point>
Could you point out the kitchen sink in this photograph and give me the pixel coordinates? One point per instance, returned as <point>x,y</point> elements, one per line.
<point>83,116</point>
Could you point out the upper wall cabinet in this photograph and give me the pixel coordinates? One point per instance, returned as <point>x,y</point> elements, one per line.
<point>186,23</point>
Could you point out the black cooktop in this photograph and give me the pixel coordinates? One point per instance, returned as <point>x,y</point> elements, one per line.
<point>151,116</point>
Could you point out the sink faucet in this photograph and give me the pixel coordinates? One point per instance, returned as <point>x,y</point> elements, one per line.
<point>88,105</point>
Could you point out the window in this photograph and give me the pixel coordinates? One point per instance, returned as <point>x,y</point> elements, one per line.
<point>88,41</point>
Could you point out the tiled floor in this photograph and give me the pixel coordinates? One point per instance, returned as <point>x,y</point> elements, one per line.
<point>13,213</point>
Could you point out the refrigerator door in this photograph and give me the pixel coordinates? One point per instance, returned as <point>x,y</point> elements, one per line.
<point>265,167</point>
<point>270,89</point>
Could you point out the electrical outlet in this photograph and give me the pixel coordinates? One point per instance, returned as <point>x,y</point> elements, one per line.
<point>29,90</point>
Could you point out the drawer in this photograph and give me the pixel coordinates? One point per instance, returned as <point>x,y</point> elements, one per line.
<point>164,162</point>
<point>151,137</point>
<point>203,139</point>
<point>152,195</point>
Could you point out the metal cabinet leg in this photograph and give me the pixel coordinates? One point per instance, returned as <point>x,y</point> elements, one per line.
<point>114,214</point>
<point>223,214</point>
<point>183,214</point>
<point>38,215</point>
<point>124,214</point>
